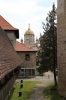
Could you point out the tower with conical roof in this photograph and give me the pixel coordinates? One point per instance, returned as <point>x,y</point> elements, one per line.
<point>61,47</point>
<point>29,36</point>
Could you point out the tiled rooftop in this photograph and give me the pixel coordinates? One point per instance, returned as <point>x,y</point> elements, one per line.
<point>7,26</point>
<point>22,47</point>
<point>9,59</point>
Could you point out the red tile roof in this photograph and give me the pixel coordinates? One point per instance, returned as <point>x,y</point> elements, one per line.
<point>7,26</point>
<point>22,47</point>
<point>9,59</point>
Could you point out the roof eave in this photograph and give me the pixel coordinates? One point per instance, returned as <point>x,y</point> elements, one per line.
<point>24,51</point>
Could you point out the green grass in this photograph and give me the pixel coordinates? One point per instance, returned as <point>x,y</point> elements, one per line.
<point>51,93</point>
<point>27,90</point>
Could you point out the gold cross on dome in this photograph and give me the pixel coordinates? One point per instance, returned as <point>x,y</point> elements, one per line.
<point>29,26</point>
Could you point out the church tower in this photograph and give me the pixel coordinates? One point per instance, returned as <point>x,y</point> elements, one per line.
<point>61,47</point>
<point>29,37</point>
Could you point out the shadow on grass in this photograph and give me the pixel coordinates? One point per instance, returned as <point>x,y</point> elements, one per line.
<point>27,90</point>
<point>51,93</point>
<point>26,94</point>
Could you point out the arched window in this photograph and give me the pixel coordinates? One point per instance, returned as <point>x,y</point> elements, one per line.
<point>27,57</point>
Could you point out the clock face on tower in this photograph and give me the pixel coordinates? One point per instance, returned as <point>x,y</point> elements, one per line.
<point>61,5</point>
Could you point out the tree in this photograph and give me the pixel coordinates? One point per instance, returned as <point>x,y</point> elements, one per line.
<point>48,44</point>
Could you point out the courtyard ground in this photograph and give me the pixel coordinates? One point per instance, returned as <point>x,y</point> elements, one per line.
<point>38,90</point>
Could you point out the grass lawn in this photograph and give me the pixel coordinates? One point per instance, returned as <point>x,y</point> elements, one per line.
<point>27,89</point>
<point>50,93</point>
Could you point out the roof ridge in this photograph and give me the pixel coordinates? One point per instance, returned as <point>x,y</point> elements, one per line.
<point>8,22</point>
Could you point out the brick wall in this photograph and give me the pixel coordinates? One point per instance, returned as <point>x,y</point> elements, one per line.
<point>61,47</point>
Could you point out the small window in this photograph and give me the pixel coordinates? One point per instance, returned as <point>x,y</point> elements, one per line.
<point>27,57</point>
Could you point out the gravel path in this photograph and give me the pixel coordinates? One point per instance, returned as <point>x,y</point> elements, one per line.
<point>38,90</point>
<point>37,93</point>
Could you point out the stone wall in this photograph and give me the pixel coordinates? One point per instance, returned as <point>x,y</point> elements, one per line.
<point>29,67</point>
<point>12,37</point>
<point>28,64</point>
<point>61,47</point>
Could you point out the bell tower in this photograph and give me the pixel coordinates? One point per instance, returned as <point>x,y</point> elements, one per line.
<point>61,46</point>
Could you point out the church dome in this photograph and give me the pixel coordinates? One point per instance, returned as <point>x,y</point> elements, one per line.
<point>29,31</point>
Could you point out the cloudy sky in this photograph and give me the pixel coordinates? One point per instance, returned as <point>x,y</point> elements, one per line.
<point>19,13</point>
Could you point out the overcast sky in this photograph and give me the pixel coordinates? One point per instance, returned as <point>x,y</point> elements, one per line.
<point>19,13</point>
